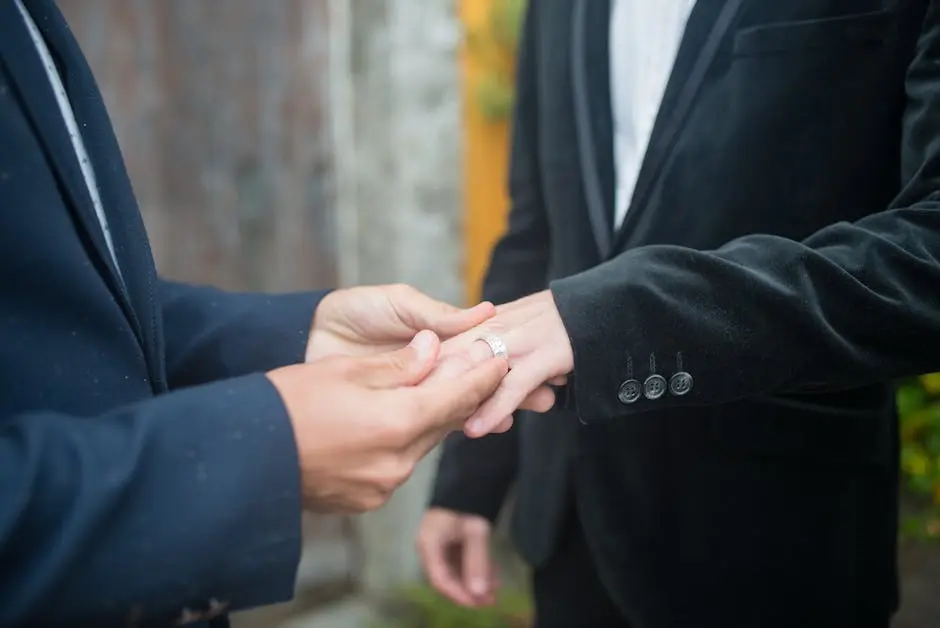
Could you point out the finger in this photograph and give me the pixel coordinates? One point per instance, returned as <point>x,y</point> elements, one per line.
<point>504,426</point>
<point>512,391</point>
<point>419,311</point>
<point>457,364</point>
<point>541,399</point>
<point>405,367</point>
<point>442,574</point>
<point>460,321</point>
<point>476,564</point>
<point>450,402</point>
<point>444,406</point>
<point>561,380</point>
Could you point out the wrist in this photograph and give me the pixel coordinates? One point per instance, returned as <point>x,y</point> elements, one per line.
<point>321,322</point>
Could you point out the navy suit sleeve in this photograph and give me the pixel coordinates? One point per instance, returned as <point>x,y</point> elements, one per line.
<point>188,500</point>
<point>211,334</point>
<point>854,304</point>
<point>474,475</point>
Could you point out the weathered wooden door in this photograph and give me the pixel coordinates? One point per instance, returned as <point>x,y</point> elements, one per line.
<point>220,107</point>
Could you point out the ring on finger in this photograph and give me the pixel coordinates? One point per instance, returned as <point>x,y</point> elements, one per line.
<point>496,345</point>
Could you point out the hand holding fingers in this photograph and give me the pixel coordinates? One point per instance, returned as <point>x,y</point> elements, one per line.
<point>419,311</point>
<point>405,367</point>
<point>514,389</point>
<point>443,406</point>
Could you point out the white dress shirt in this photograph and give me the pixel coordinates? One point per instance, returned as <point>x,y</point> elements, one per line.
<point>72,125</point>
<point>644,39</point>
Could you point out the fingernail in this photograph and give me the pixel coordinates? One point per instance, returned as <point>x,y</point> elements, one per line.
<point>478,586</point>
<point>485,305</point>
<point>475,426</point>
<point>422,344</point>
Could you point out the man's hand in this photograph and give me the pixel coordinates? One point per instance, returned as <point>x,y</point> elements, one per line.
<point>362,423</point>
<point>368,320</point>
<point>540,353</point>
<point>456,555</point>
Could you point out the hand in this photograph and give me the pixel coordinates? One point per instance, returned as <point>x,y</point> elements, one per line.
<point>540,353</point>
<point>455,553</point>
<point>368,320</point>
<point>362,424</point>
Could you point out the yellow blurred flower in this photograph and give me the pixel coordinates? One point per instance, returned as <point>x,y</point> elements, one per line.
<point>931,383</point>
<point>916,462</point>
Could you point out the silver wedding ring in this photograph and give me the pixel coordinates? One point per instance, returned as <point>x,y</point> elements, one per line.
<point>496,345</point>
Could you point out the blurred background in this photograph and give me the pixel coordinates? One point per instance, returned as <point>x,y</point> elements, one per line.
<point>293,144</point>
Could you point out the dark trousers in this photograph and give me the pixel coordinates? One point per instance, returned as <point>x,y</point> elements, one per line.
<point>567,591</point>
<point>569,594</point>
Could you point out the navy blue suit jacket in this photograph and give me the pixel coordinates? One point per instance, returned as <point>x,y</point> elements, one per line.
<point>147,465</point>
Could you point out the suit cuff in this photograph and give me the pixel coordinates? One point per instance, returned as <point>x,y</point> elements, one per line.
<point>472,498</point>
<point>634,348</point>
<point>246,493</point>
<point>284,323</point>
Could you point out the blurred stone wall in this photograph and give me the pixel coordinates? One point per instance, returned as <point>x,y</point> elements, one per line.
<point>397,123</point>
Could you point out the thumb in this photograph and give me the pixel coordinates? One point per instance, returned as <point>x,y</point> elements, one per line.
<point>445,405</point>
<point>419,311</point>
<point>452,321</point>
<point>477,569</point>
<point>405,367</point>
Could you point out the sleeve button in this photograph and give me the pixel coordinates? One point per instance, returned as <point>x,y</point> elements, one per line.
<point>680,384</point>
<point>654,387</point>
<point>629,391</point>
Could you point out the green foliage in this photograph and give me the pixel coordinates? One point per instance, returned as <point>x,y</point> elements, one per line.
<point>495,96</point>
<point>422,607</point>
<point>506,22</point>
<point>919,409</point>
<point>495,45</point>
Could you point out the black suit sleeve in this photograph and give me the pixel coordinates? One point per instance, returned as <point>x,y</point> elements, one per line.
<point>475,475</point>
<point>851,305</point>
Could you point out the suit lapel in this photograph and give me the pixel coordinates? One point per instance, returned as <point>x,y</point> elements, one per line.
<point>709,24</point>
<point>27,72</point>
<point>127,229</point>
<point>590,65</point>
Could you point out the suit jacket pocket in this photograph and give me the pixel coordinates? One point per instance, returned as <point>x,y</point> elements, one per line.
<point>838,32</point>
<point>851,428</point>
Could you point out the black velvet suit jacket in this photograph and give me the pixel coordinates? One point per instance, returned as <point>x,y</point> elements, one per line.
<point>779,256</point>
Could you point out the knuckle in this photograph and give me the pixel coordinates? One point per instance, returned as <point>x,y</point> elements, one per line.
<point>386,485</point>
<point>396,362</point>
<point>374,501</point>
<point>369,500</point>
<point>395,433</point>
<point>403,471</point>
<point>401,289</point>
<point>392,473</point>
<point>476,526</point>
<point>345,368</point>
